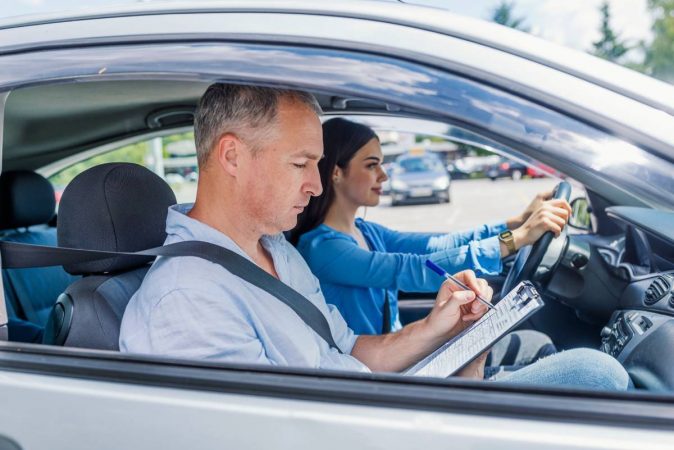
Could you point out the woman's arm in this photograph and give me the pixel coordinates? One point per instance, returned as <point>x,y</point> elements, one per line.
<point>341,261</point>
<point>397,241</point>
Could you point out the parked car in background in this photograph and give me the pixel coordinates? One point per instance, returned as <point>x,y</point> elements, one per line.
<point>174,178</point>
<point>470,166</point>
<point>419,178</point>
<point>506,168</point>
<point>540,170</point>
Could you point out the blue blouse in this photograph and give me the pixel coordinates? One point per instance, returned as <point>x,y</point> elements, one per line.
<point>355,280</point>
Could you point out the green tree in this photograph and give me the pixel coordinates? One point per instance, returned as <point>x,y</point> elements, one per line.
<point>609,46</point>
<point>503,15</point>
<point>659,60</point>
<point>134,153</point>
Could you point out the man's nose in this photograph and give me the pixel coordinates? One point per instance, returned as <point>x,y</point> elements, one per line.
<point>313,184</point>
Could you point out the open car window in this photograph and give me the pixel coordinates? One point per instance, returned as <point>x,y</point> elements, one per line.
<point>172,157</point>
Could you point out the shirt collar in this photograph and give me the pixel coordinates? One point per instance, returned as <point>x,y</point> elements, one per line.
<point>181,227</point>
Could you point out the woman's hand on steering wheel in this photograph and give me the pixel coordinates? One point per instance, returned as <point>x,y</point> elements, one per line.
<point>550,215</point>
<point>538,230</point>
<point>518,221</point>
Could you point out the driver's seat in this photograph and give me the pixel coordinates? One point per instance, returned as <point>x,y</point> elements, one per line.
<point>117,207</point>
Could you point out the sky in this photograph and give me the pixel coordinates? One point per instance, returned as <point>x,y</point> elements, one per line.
<point>573,23</point>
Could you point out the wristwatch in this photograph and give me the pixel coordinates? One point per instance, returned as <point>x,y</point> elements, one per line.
<point>507,238</point>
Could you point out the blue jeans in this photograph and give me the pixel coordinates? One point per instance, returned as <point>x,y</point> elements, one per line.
<point>580,367</point>
<point>529,357</point>
<point>516,350</point>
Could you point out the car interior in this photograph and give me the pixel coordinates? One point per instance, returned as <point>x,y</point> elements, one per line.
<point>608,281</point>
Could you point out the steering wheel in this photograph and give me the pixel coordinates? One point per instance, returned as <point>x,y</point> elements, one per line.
<point>529,257</point>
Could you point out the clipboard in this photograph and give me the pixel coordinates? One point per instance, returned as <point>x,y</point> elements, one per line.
<point>455,354</point>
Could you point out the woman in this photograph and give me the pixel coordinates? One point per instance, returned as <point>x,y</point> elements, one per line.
<point>361,265</point>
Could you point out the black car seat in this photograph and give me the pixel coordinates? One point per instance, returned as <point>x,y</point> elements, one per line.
<point>27,205</point>
<point>118,207</point>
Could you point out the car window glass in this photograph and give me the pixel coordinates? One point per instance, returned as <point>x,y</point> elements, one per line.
<point>420,165</point>
<point>173,157</point>
<point>440,183</point>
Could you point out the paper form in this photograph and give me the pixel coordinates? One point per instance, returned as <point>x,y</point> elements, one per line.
<point>514,308</point>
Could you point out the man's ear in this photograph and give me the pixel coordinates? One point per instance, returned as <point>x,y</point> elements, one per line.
<point>228,151</point>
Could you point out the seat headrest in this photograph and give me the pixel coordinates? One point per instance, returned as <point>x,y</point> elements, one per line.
<point>117,207</point>
<point>27,199</point>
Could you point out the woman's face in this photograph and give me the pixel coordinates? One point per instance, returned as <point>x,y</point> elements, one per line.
<point>361,183</point>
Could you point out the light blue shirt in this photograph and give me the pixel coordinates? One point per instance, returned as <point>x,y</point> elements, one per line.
<point>356,280</point>
<point>189,307</point>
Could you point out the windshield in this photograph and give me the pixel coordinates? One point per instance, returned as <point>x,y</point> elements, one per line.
<point>420,165</point>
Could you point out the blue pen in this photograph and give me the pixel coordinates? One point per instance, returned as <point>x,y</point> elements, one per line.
<point>440,271</point>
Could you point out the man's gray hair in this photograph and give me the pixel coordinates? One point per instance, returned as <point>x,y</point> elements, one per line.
<point>241,110</point>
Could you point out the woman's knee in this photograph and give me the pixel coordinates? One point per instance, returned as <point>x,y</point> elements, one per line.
<point>578,368</point>
<point>593,369</point>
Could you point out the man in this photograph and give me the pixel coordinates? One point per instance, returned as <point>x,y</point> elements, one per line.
<point>258,150</point>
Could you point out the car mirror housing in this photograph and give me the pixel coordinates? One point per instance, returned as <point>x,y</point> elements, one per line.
<point>581,214</point>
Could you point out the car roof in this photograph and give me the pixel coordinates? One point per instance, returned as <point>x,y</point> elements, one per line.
<point>579,64</point>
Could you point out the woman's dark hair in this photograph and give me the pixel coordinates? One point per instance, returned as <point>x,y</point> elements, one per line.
<point>341,140</point>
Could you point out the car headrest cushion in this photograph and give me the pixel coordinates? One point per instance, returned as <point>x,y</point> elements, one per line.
<point>119,207</point>
<point>27,198</point>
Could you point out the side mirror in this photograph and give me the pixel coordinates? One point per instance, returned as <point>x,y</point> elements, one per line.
<point>581,214</point>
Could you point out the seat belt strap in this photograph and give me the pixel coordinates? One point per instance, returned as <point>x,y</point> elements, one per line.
<point>4,331</point>
<point>386,314</point>
<point>18,255</point>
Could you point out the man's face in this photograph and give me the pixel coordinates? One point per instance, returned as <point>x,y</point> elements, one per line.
<point>281,176</point>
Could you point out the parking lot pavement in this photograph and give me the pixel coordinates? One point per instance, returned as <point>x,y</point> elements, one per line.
<point>474,202</point>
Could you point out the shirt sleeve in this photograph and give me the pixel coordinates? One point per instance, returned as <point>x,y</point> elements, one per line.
<point>406,242</point>
<point>344,337</point>
<point>181,326</point>
<point>341,261</point>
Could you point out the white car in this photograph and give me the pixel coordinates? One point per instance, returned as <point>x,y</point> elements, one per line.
<point>73,87</point>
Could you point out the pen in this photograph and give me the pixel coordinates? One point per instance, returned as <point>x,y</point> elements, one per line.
<point>440,271</point>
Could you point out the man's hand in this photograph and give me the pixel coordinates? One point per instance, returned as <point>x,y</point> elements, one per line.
<point>551,215</point>
<point>455,308</point>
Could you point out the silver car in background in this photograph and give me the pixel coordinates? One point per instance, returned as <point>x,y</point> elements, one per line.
<point>419,178</point>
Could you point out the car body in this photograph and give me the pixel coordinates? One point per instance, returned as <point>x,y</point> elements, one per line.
<point>76,85</point>
<point>419,178</point>
<point>539,170</point>
<point>472,166</point>
<point>506,168</point>
<point>174,178</point>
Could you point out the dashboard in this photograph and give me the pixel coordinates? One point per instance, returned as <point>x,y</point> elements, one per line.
<point>626,283</point>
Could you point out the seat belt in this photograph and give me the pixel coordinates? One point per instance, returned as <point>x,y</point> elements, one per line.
<point>4,319</point>
<point>386,313</point>
<point>19,255</point>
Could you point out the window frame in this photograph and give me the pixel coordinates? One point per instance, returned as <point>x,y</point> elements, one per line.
<point>620,409</point>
